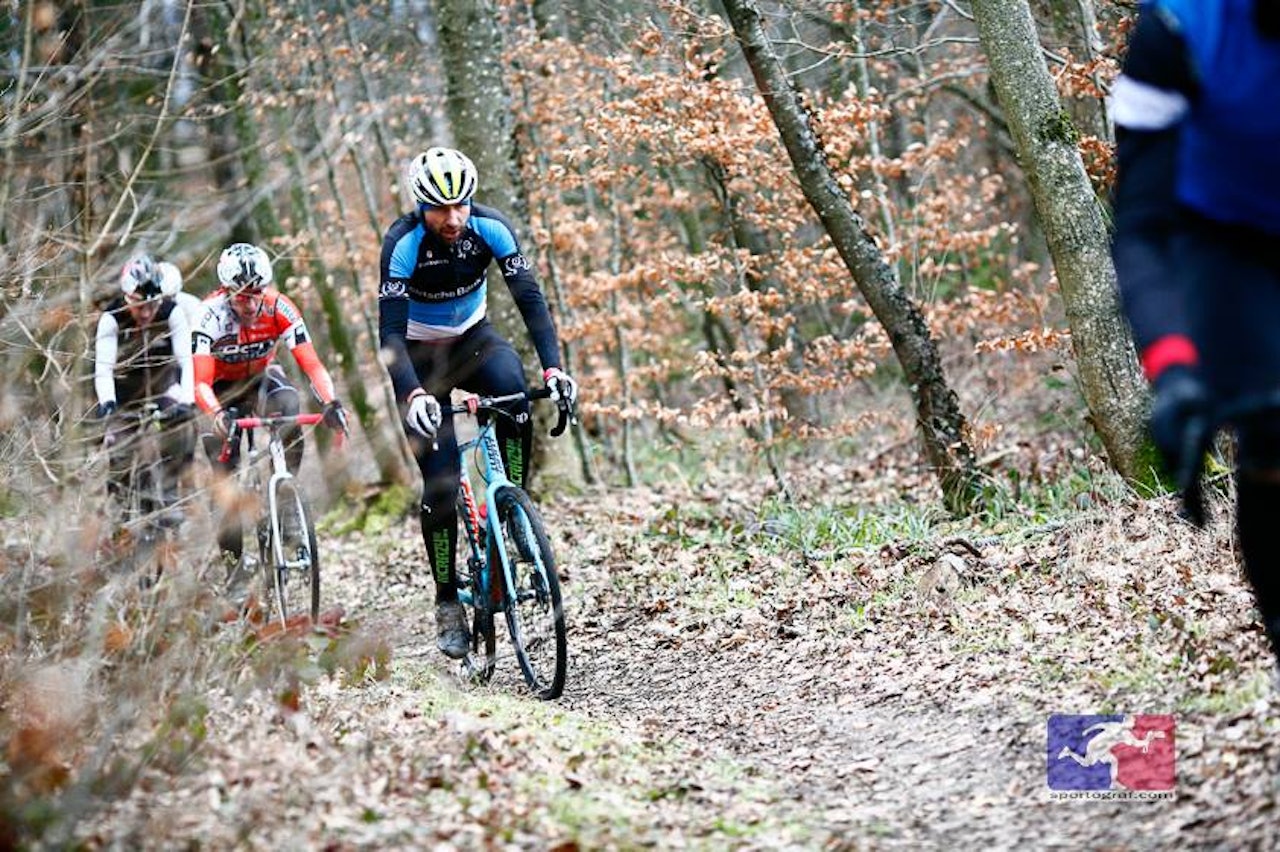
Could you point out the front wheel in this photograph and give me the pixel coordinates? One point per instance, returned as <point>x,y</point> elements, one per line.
<point>535,613</point>
<point>290,559</point>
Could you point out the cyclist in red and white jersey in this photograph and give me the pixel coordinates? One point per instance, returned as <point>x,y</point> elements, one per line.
<point>235,373</point>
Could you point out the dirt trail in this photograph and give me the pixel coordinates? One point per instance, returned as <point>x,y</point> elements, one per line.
<point>724,693</point>
<point>895,737</point>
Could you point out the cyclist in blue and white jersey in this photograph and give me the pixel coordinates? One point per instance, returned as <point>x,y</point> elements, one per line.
<point>1197,248</point>
<point>435,337</point>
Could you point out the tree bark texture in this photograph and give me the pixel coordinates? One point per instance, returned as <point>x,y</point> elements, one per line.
<point>479,108</point>
<point>942,426</point>
<point>1074,229</point>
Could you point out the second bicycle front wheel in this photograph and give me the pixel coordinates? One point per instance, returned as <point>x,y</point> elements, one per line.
<point>290,560</point>
<point>535,614</point>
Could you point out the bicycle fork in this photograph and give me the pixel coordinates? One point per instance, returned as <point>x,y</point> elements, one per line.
<point>279,473</point>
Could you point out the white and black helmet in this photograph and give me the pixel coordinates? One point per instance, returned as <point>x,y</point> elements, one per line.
<point>244,268</point>
<point>442,176</point>
<point>141,275</point>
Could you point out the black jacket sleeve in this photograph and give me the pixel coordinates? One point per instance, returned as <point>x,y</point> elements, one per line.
<point>1145,202</point>
<point>393,318</point>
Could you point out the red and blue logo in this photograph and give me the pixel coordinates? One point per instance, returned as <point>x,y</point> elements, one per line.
<point>1111,752</point>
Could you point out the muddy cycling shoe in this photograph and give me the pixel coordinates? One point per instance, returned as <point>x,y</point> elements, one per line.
<point>452,638</point>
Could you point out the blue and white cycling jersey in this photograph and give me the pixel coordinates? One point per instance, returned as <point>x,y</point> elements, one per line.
<point>1209,71</point>
<point>431,291</point>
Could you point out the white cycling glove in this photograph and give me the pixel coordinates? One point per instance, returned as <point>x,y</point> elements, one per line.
<point>562,386</point>
<point>423,415</point>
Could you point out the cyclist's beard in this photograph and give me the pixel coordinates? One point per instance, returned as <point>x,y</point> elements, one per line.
<point>143,316</point>
<point>447,236</point>
<point>1266,16</point>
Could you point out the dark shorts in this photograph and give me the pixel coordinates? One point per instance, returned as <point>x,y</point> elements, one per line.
<point>480,361</point>
<point>1234,285</point>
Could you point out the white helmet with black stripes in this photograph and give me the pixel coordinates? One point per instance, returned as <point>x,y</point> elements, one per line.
<point>244,268</point>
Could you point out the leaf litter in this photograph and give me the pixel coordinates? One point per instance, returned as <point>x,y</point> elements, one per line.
<point>732,687</point>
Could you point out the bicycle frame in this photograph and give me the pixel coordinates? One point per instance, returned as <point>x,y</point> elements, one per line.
<point>494,473</point>
<point>144,459</point>
<point>510,539</point>
<point>279,469</point>
<point>145,500</point>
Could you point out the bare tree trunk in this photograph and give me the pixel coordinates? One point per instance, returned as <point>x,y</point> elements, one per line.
<point>476,99</point>
<point>624,350</point>
<point>943,429</point>
<point>1075,24</point>
<point>392,468</point>
<point>223,58</point>
<point>13,124</point>
<point>1074,228</point>
<point>479,109</point>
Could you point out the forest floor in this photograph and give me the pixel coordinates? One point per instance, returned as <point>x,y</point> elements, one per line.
<point>743,676</point>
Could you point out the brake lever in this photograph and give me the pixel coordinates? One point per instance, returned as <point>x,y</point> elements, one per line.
<point>233,436</point>
<point>562,421</point>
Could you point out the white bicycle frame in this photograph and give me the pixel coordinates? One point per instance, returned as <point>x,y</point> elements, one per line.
<point>279,474</point>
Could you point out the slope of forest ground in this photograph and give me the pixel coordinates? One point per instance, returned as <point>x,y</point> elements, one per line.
<point>849,668</point>
<point>743,674</point>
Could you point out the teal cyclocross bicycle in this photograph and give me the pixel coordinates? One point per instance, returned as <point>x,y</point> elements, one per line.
<point>509,568</point>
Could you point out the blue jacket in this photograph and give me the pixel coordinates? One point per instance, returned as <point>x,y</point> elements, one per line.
<point>1228,166</point>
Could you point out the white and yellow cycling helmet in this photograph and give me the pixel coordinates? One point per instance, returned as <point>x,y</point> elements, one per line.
<point>442,176</point>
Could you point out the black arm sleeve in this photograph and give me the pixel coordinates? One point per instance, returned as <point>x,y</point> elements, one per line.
<point>533,308</point>
<point>1145,201</point>
<point>1145,214</point>
<point>1158,55</point>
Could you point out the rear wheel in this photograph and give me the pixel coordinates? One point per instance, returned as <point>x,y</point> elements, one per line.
<point>479,663</point>
<point>290,559</point>
<point>535,614</point>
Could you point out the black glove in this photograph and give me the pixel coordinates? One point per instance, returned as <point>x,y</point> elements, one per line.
<point>180,412</point>
<point>335,417</point>
<point>105,409</point>
<point>1180,427</point>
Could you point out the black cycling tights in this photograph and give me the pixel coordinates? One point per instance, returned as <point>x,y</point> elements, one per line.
<point>1258,507</point>
<point>482,362</point>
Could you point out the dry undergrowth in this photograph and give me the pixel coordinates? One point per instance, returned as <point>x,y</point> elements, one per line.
<point>852,670</point>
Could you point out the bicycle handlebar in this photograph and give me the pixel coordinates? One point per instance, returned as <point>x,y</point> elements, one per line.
<point>154,414</point>
<point>240,424</point>
<point>309,419</point>
<point>472,404</point>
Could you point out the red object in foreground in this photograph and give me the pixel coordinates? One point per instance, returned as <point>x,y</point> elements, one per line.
<point>329,623</point>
